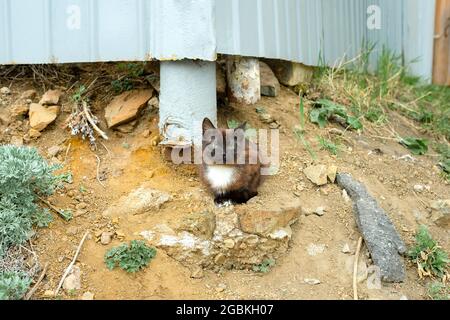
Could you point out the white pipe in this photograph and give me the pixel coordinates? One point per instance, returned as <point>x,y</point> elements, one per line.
<point>187,96</point>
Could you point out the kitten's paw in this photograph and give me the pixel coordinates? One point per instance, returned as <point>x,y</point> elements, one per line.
<point>224,204</point>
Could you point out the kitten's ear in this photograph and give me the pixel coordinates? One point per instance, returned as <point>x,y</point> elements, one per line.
<point>242,126</point>
<point>207,124</point>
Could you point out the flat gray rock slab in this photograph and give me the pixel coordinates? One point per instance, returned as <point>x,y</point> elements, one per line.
<point>383,241</point>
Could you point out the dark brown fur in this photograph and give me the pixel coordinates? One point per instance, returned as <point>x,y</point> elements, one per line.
<point>248,176</point>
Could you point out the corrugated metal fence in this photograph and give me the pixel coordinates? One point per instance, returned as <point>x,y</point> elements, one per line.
<point>304,30</point>
<point>45,31</point>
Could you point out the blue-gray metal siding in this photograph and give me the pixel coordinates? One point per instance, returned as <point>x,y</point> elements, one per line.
<point>35,31</point>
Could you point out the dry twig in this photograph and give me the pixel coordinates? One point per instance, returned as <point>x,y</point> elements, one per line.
<point>355,270</point>
<point>92,122</point>
<point>69,268</point>
<point>36,285</point>
<point>58,211</point>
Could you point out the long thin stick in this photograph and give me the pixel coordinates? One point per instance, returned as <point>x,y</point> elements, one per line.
<point>98,168</point>
<point>355,269</point>
<point>91,121</point>
<point>71,263</point>
<point>41,277</point>
<point>67,152</point>
<point>58,211</point>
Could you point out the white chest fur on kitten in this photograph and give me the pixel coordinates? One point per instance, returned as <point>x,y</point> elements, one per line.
<point>221,177</point>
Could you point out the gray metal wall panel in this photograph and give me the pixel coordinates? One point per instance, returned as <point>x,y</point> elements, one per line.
<point>35,31</point>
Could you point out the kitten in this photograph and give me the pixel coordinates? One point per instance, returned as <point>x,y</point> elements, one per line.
<point>226,168</point>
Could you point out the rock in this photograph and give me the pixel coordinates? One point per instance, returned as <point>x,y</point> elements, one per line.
<point>315,249</point>
<point>311,282</point>
<point>419,188</point>
<point>269,83</point>
<point>16,141</point>
<point>346,248</point>
<point>120,235</point>
<point>106,238</point>
<point>81,206</point>
<point>331,173</point>
<point>5,117</point>
<point>229,243</point>
<point>29,94</point>
<point>72,231</point>
<point>441,213</point>
<point>87,296</point>
<point>138,201</point>
<point>320,211</point>
<point>202,224</point>
<point>126,107</point>
<point>363,270</point>
<point>221,82</point>
<point>281,233</point>
<point>126,128</point>
<point>48,294</point>
<point>317,174</point>
<point>345,196</point>
<point>221,287</point>
<point>154,81</point>
<point>197,273</point>
<point>146,133</point>
<point>34,134</point>
<point>291,73</point>
<point>20,110</point>
<point>219,259</point>
<point>73,280</point>
<point>274,125</point>
<point>53,151</point>
<point>265,221</point>
<point>41,117</point>
<point>5,91</point>
<point>265,118</point>
<point>243,79</point>
<point>153,104</point>
<point>380,236</point>
<point>50,98</point>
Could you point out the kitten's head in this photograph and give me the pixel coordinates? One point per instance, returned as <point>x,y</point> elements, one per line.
<point>222,146</point>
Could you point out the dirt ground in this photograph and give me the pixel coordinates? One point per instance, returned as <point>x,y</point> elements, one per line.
<point>129,159</point>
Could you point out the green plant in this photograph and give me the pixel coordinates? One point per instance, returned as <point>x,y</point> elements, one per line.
<point>327,109</point>
<point>375,114</point>
<point>431,260</point>
<point>130,257</point>
<point>233,124</point>
<point>444,161</point>
<point>328,145</point>
<point>415,145</point>
<point>78,95</point>
<point>24,176</point>
<point>126,82</point>
<point>13,285</point>
<point>265,266</point>
<point>299,131</point>
<point>389,68</point>
<point>122,85</point>
<point>250,133</point>
<point>438,291</point>
<point>42,218</point>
